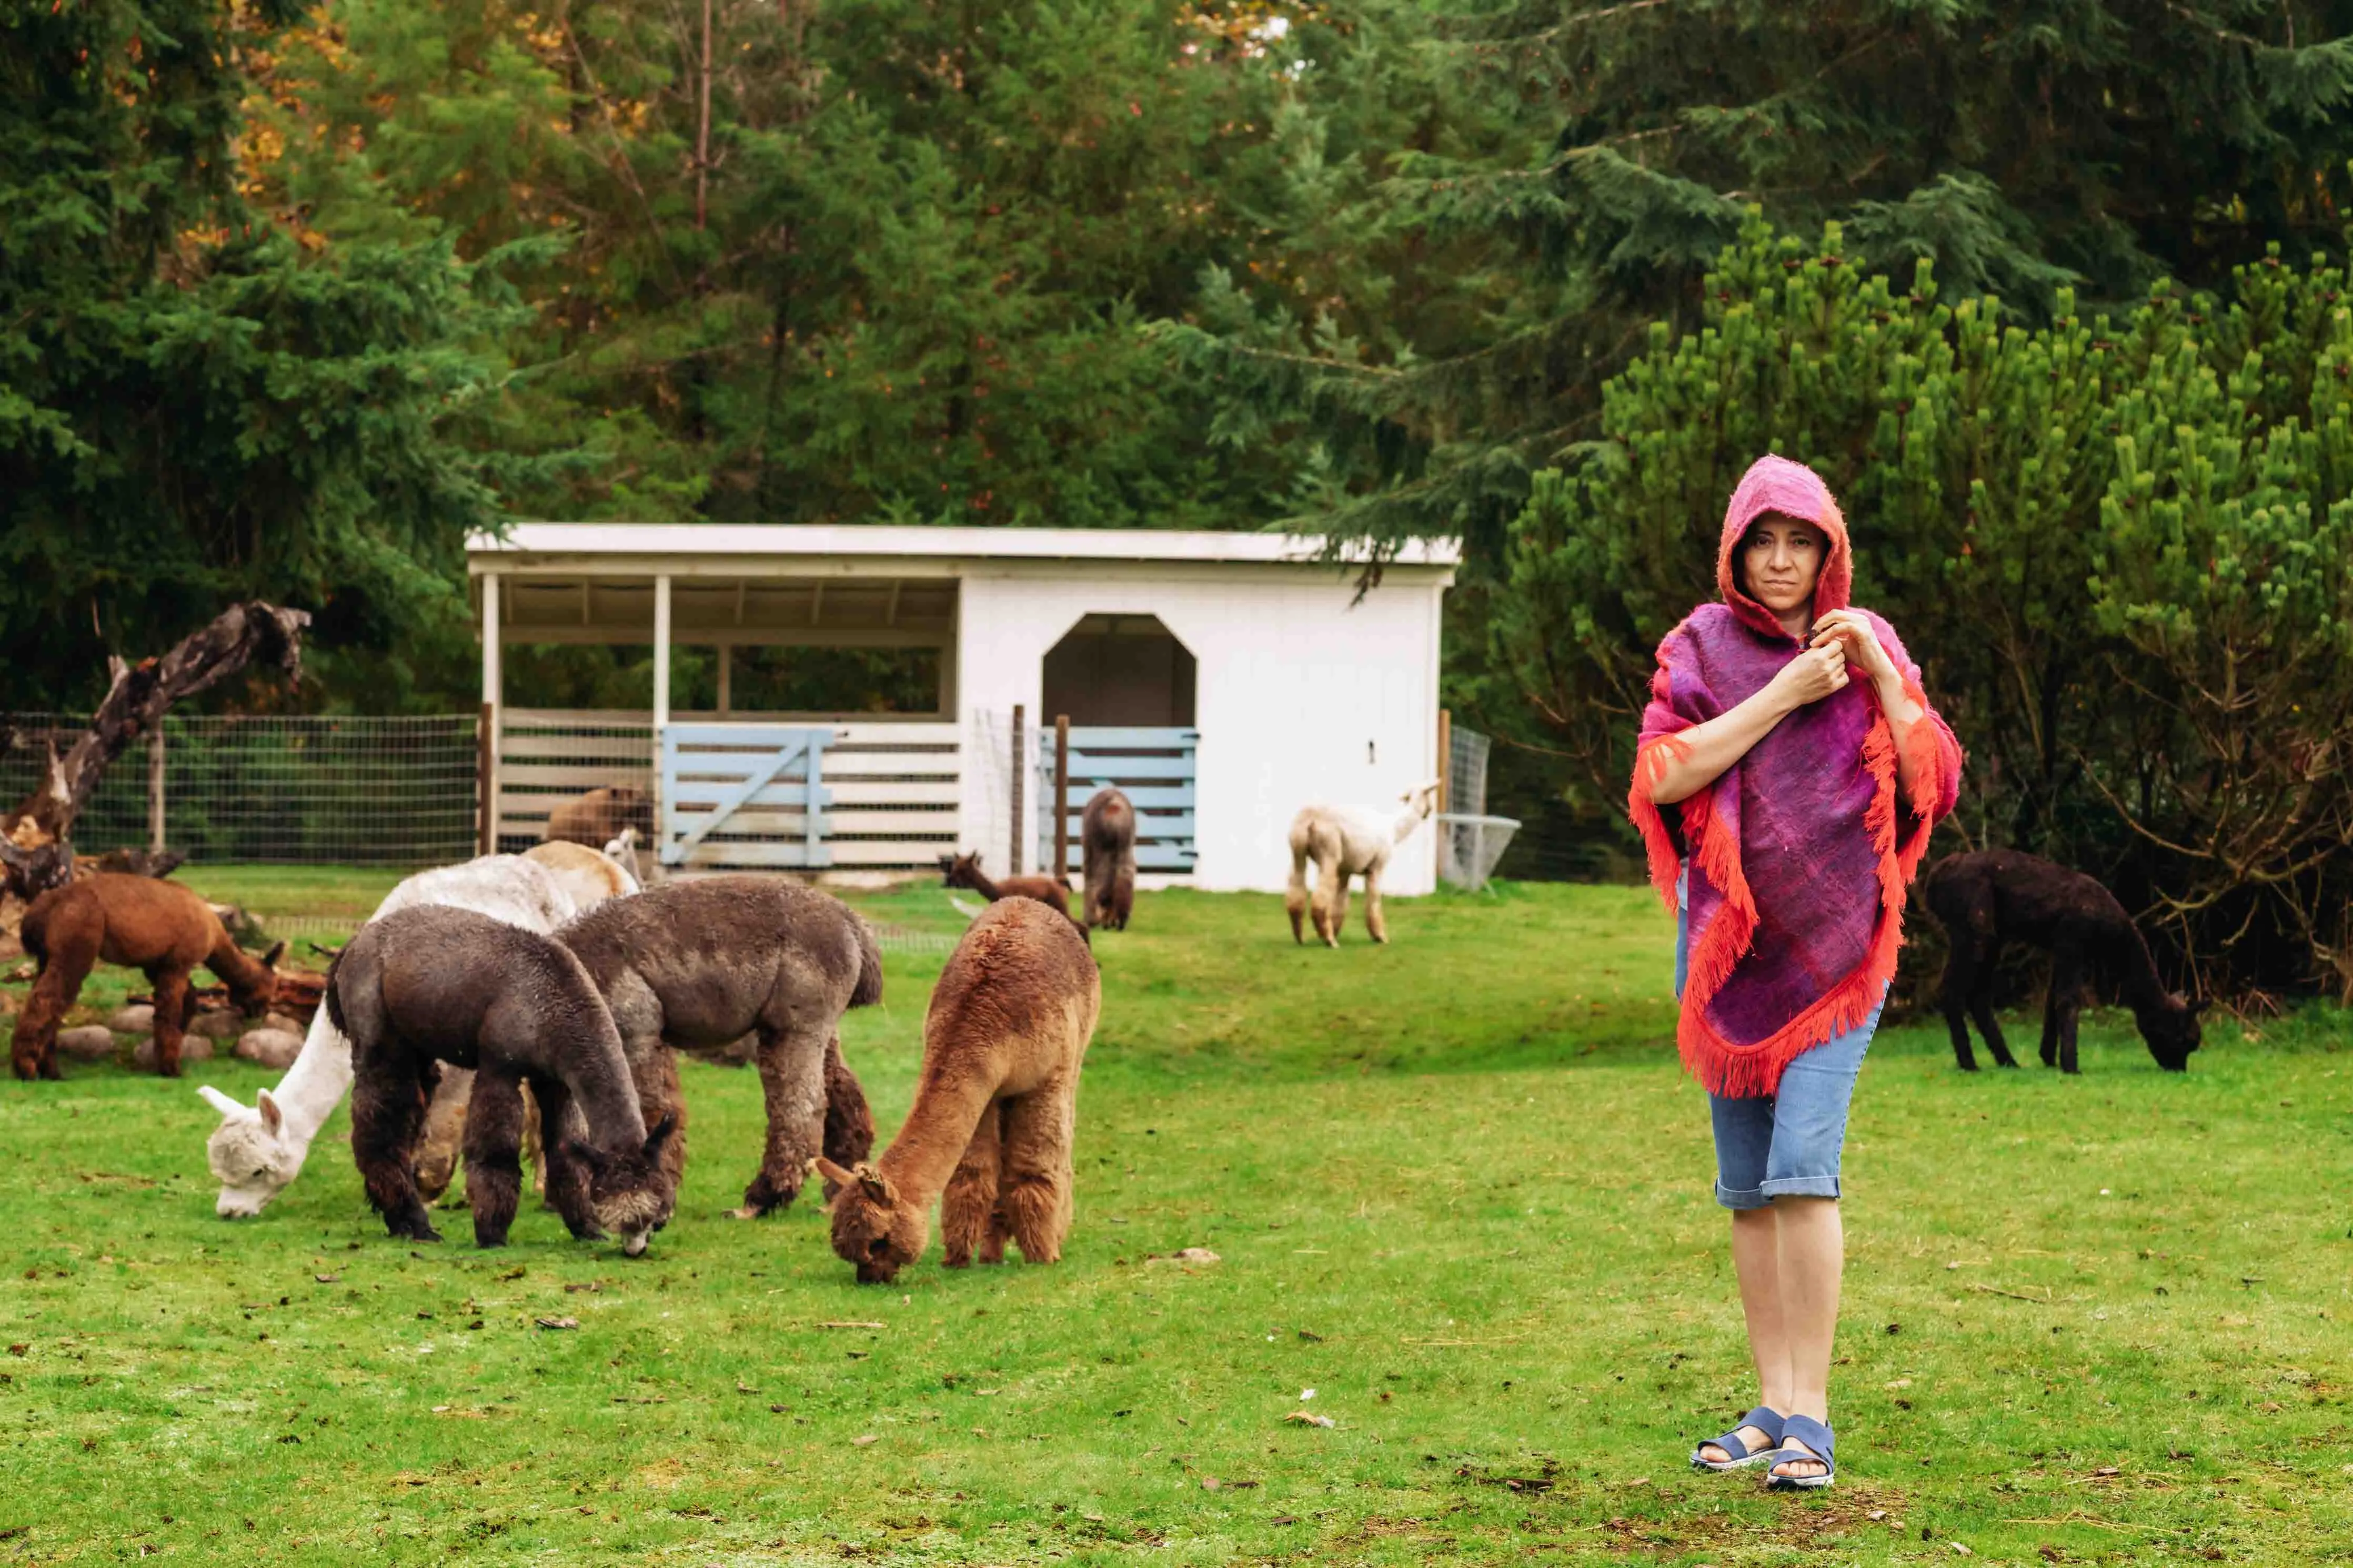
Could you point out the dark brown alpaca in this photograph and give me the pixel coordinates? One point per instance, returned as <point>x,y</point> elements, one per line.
<point>964,871</point>
<point>1993,896</point>
<point>142,923</point>
<point>597,818</point>
<point>995,1105</point>
<point>434,984</point>
<point>1107,851</point>
<point>697,966</point>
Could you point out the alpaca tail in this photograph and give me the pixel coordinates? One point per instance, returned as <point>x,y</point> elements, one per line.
<point>354,1006</point>
<point>869,990</point>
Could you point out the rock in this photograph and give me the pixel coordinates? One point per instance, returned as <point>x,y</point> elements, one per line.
<point>90,1043</point>
<point>274,1048</point>
<point>192,1049</point>
<point>136,1019</point>
<point>226,1025</point>
<point>282,1024</point>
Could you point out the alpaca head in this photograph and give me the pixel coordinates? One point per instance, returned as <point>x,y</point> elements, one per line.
<point>249,1152</point>
<point>874,1231</point>
<point>2173,1030</point>
<point>625,1189</point>
<point>256,997</point>
<point>959,870</point>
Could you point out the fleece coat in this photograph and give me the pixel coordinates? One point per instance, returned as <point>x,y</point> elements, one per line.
<point>1799,854</point>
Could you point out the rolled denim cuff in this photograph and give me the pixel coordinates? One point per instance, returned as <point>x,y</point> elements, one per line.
<point>1745,1199</point>
<point>1802,1187</point>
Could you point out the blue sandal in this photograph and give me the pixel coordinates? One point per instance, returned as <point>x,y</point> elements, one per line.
<point>1742,1456</point>
<point>1816,1435</point>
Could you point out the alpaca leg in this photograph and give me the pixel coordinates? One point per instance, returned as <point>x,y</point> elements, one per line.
<point>445,1132</point>
<point>34,1052</point>
<point>970,1198</point>
<point>2065,1003</point>
<point>566,1179</point>
<point>1960,975</point>
<point>1981,1004</point>
<point>655,1069</point>
<point>1374,926</point>
<point>1035,1185</point>
<point>849,1120</point>
<point>1000,1225</point>
<point>1336,913</point>
<point>792,1078</point>
<point>535,1145</point>
<point>172,1008</point>
<point>493,1155</point>
<point>1294,894</point>
<point>388,1112</point>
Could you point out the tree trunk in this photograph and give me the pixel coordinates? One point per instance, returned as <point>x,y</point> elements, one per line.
<point>36,847</point>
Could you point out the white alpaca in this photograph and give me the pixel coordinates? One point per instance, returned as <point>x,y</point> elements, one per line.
<point>1348,841</point>
<point>258,1151</point>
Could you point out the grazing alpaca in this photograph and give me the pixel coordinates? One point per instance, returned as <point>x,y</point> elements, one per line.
<point>1107,851</point>
<point>1348,841</point>
<point>601,815</point>
<point>590,876</point>
<point>258,1149</point>
<point>161,927</point>
<point>996,1106</point>
<point>697,966</point>
<point>1992,896</point>
<point>433,983</point>
<point>964,871</point>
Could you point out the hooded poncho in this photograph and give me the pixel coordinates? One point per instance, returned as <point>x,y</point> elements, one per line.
<point>1800,853</point>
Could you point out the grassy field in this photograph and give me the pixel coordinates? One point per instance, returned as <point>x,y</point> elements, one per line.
<point>1458,1190</point>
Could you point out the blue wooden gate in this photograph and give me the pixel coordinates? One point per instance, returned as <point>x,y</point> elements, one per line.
<point>743,795</point>
<point>1155,768</point>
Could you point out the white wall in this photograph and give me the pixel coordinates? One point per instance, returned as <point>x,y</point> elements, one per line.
<point>1294,683</point>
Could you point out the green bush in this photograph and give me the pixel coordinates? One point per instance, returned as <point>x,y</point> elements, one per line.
<point>2118,548</point>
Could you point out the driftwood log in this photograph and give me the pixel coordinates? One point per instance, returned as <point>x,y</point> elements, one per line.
<point>35,837</point>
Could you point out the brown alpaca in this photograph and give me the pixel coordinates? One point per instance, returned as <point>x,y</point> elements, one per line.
<point>996,1106</point>
<point>597,818</point>
<point>433,983</point>
<point>964,871</point>
<point>158,927</point>
<point>1107,851</point>
<point>1991,896</point>
<point>697,966</point>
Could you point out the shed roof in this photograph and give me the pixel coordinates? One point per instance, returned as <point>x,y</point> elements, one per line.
<point>875,540</point>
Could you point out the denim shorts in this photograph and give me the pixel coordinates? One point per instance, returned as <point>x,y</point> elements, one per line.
<point>1787,1143</point>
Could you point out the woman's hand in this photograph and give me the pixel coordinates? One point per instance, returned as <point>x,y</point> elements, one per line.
<point>1812,674</point>
<point>1850,630</point>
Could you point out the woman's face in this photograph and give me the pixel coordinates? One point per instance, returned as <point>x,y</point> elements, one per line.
<point>1779,560</point>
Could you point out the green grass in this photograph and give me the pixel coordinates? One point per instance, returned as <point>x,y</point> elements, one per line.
<point>1460,1190</point>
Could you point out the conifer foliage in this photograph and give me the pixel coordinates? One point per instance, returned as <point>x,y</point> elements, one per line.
<point>2122,546</point>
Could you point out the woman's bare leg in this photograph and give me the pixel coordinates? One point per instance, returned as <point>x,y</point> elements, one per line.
<point>1812,1255</point>
<point>1756,1260</point>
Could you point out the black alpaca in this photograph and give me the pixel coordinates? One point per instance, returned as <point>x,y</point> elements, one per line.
<point>434,984</point>
<point>1993,896</point>
<point>1107,852</point>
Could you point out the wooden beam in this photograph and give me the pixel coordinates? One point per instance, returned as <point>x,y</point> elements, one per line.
<point>1020,796</point>
<point>817,603</point>
<point>587,612</point>
<point>1063,797</point>
<point>890,616</point>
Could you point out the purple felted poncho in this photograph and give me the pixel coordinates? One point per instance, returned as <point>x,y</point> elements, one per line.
<point>1800,852</point>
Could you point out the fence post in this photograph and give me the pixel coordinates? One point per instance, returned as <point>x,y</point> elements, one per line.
<point>1061,797</point>
<point>486,785</point>
<point>155,788</point>
<point>1020,769</point>
<point>1445,759</point>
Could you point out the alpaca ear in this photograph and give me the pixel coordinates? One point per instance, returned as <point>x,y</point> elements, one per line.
<point>271,1117</point>
<point>660,1135</point>
<point>831,1171</point>
<point>588,1155</point>
<point>876,1185</point>
<point>270,960</point>
<point>2198,1006</point>
<point>229,1109</point>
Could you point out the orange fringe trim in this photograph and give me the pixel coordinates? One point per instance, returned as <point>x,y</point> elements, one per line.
<point>1754,1069</point>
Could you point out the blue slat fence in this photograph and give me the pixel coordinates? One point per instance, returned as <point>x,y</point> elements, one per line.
<point>1153,767</point>
<point>744,795</point>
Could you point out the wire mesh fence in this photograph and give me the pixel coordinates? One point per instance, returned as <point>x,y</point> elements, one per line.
<point>1470,842</point>
<point>350,791</point>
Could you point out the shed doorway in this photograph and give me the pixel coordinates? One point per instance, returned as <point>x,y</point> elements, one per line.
<point>1124,670</point>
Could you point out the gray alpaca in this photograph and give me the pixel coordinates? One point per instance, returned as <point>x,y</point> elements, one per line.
<point>697,966</point>
<point>434,984</point>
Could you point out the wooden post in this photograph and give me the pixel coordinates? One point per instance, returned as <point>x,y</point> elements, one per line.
<point>1020,778</point>
<point>155,789</point>
<point>486,781</point>
<point>661,709</point>
<point>1445,759</point>
<point>1061,797</point>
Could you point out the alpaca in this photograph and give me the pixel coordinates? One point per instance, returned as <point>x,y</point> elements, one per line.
<point>601,815</point>
<point>161,927</point>
<point>433,983</point>
<point>996,1106</point>
<point>697,966</point>
<point>1107,852</point>
<point>258,1150</point>
<point>590,876</point>
<point>964,871</point>
<point>1986,897</point>
<point>1346,841</point>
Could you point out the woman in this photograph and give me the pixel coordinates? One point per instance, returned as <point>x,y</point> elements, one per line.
<point>1789,732</point>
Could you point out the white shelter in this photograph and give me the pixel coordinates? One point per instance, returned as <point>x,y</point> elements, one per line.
<point>1222,680</point>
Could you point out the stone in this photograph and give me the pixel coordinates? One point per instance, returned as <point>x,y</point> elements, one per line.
<point>225,1023</point>
<point>273,1048</point>
<point>90,1043</point>
<point>282,1024</point>
<point>138,1018</point>
<point>192,1049</point>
